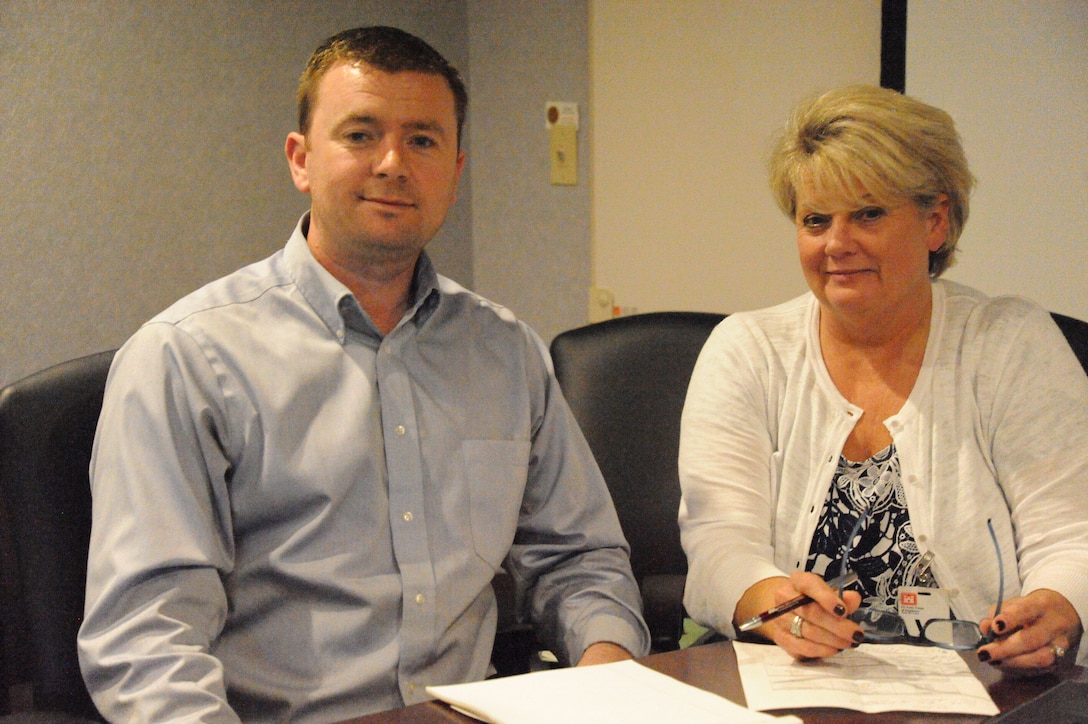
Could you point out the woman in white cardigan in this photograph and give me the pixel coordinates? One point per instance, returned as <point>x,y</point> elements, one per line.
<point>920,403</point>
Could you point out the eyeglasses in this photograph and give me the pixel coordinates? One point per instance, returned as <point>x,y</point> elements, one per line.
<point>947,633</point>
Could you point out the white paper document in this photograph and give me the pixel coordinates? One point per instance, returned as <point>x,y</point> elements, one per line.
<point>625,691</point>
<point>871,678</point>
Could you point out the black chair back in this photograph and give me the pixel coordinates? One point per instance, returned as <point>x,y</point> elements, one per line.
<point>47,427</point>
<point>625,380</point>
<point>1076,333</point>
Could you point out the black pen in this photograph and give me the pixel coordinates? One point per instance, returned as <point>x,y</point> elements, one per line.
<point>844,580</point>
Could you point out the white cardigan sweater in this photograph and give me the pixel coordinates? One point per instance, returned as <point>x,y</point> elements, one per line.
<point>995,427</point>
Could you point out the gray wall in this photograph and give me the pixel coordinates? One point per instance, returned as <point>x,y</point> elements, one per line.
<point>144,154</point>
<point>531,239</point>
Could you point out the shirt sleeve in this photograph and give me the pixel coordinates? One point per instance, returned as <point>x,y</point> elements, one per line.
<point>725,465</point>
<point>160,537</point>
<point>1037,425</point>
<point>569,553</point>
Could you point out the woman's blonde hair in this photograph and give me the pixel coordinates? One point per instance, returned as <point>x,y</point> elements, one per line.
<point>870,141</point>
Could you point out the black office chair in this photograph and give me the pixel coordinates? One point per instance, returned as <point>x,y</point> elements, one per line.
<point>625,380</point>
<point>47,426</point>
<point>516,650</point>
<point>11,613</point>
<point>1076,333</point>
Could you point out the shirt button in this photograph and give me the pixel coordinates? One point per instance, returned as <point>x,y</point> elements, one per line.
<point>922,539</point>
<point>408,517</point>
<point>399,429</point>
<point>420,599</point>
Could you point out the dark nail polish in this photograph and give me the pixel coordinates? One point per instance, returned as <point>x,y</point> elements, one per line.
<point>840,610</point>
<point>984,656</point>
<point>995,663</point>
<point>855,645</point>
<point>859,637</point>
<point>999,625</point>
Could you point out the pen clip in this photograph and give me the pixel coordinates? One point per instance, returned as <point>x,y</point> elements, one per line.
<point>922,573</point>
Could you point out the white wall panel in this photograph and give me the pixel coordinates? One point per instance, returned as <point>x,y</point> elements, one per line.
<point>1014,75</point>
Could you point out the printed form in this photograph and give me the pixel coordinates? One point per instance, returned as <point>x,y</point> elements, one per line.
<point>871,678</point>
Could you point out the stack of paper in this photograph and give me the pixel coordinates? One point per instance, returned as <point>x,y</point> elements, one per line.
<point>625,691</point>
<point>871,678</point>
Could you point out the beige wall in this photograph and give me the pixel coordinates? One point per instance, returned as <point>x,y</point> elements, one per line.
<point>687,93</point>
<point>686,97</point>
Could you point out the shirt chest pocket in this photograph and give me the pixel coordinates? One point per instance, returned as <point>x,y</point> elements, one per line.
<point>496,472</point>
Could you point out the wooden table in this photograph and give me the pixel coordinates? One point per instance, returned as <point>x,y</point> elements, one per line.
<point>714,668</point>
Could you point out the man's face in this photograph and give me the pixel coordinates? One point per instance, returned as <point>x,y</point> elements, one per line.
<point>380,162</point>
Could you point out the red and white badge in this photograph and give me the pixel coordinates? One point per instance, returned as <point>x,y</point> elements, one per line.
<point>919,605</point>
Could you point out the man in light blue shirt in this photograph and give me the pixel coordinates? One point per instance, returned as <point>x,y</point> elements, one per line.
<point>307,473</point>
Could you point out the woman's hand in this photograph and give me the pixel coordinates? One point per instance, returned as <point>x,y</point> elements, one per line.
<point>1032,630</point>
<point>824,627</point>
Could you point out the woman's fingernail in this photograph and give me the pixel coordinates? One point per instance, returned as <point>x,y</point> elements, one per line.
<point>999,625</point>
<point>859,636</point>
<point>984,656</point>
<point>840,610</point>
<point>855,645</point>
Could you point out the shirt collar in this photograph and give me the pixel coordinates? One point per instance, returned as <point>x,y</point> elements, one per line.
<point>334,302</point>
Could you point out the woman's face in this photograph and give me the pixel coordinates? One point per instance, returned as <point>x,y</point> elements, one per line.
<point>863,259</point>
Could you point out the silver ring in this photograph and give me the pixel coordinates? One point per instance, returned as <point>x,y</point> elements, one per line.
<point>795,627</point>
<point>1058,651</point>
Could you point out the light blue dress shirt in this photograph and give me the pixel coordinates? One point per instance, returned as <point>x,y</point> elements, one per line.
<point>298,519</point>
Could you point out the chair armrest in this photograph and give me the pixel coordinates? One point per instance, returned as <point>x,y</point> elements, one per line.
<point>663,609</point>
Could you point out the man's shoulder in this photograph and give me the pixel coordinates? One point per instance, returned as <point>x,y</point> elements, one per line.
<point>467,303</point>
<point>466,315</point>
<point>240,287</point>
